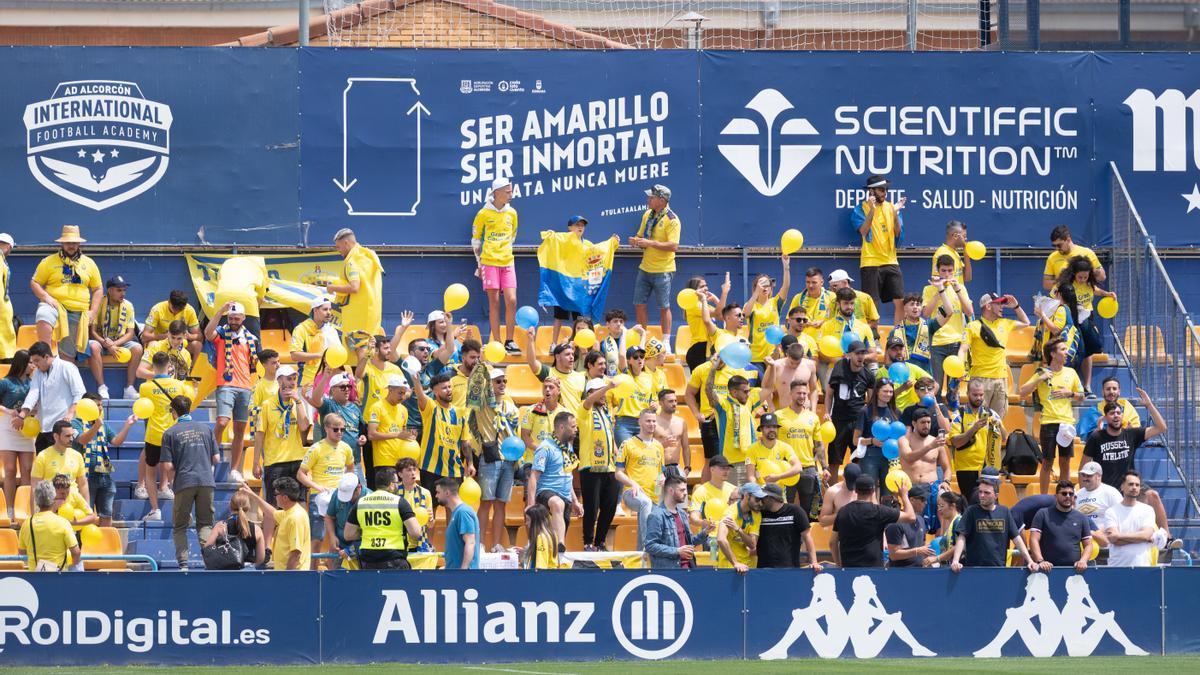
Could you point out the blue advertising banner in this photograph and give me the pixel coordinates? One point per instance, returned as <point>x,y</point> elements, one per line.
<point>89,619</point>
<point>986,613</point>
<point>405,144</point>
<point>150,146</point>
<point>518,616</point>
<point>789,140</point>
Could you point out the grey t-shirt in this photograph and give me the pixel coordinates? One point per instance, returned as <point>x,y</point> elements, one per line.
<point>190,446</point>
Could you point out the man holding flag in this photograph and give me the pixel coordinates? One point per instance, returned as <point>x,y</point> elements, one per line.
<point>359,290</point>
<point>658,237</point>
<point>575,272</point>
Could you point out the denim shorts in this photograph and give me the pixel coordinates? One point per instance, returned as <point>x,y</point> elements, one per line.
<point>496,480</point>
<point>233,403</point>
<point>316,521</point>
<point>103,492</point>
<point>657,282</point>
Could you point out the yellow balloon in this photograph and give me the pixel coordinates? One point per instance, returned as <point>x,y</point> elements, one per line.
<point>410,449</point>
<point>65,511</point>
<point>714,510</point>
<point>897,481</point>
<point>975,250</point>
<point>79,514</point>
<point>470,492</point>
<point>585,338</point>
<point>455,297</point>
<point>791,241</point>
<point>143,408</point>
<point>774,467</point>
<point>687,299</point>
<point>493,352</point>
<point>422,515</point>
<point>335,356</point>
<point>1095,550</point>
<point>624,385</point>
<point>31,427</point>
<point>953,366</point>
<point>830,346</point>
<point>1107,307</point>
<point>87,410</point>
<point>123,354</point>
<point>91,536</point>
<point>827,432</point>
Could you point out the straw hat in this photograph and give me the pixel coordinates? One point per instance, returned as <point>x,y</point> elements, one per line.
<point>70,234</point>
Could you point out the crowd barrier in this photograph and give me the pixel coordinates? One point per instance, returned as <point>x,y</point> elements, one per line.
<point>242,147</point>
<point>509,616</point>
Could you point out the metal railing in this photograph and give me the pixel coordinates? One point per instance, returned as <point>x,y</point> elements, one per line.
<point>88,557</point>
<point>1155,334</point>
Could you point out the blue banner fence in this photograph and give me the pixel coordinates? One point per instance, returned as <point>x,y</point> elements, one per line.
<point>247,147</point>
<point>511,616</point>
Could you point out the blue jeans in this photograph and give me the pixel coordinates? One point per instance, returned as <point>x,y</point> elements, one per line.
<point>876,466</point>
<point>316,521</point>
<point>641,504</point>
<point>658,283</point>
<point>103,492</point>
<point>625,429</point>
<point>496,480</point>
<point>233,403</point>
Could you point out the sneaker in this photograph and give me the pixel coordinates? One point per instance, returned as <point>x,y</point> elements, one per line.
<point>511,347</point>
<point>235,476</point>
<point>103,391</point>
<point>139,492</point>
<point>183,566</point>
<point>1087,393</point>
<point>130,393</point>
<point>155,515</point>
<point>166,493</point>
<point>588,548</point>
<point>498,549</point>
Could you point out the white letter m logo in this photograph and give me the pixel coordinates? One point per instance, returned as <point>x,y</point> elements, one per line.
<point>1174,140</point>
<point>767,175</point>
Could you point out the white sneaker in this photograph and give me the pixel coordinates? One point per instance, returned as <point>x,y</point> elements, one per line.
<point>235,476</point>
<point>103,391</point>
<point>166,493</point>
<point>130,393</point>
<point>139,492</point>
<point>155,515</point>
<point>498,549</point>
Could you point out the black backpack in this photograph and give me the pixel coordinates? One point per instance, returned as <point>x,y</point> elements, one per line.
<point>1022,454</point>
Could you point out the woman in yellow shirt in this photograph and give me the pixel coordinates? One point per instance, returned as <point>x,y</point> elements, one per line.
<point>1077,288</point>
<point>542,551</point>
<point>762,312</point>
<point>697,353</point>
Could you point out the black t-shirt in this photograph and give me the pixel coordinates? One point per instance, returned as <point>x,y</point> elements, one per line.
<point>849,389</point>
<point>1061,534</point>
<point>1115,453</point>
<point>781,536</point>
<point>906,535</point>
<point>860,526</point>
<point>987,535</point>
<point>384,555</point>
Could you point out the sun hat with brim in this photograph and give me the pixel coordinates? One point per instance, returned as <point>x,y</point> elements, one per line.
<point>70,235</point>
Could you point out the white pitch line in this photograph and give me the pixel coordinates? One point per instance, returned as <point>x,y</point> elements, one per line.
<point>511,670</point>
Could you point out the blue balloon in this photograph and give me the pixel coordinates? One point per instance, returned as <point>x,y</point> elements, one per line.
<point>896,430</point>
<point>512,449</point>
<point>527,317</point>
<point>847,338</point>
<point>891,448</point>
<point>898,371</point>
<point>936,545</point>
<point>881,429</point>
<point>773,334</point>
<point>928,402</point>
<point>736,355</point>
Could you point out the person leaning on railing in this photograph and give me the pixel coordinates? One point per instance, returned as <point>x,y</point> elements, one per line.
<point>48,538</point>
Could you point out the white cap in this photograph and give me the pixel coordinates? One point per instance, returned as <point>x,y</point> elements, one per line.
<point>319,301</point>
<point>1091,469</point>
<point>322,502</point>
<point>435,315</point>
<point>338,380</point>
<point>839,275</point>
<point>496,372</point>
<point>345,488</point>
<point>411,364</point>
<point>397,381</point>
<point>237,308</point>
<point>500,183</point>
<point>596,383</point>
<point>6,238</point>
<point>285,371</point>
<point>1066,435</point>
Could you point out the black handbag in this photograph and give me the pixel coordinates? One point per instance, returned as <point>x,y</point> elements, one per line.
<point>225,554</point>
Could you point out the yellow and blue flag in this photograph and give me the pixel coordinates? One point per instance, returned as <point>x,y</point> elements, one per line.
<point>271,281</point>
<point>575,273</point>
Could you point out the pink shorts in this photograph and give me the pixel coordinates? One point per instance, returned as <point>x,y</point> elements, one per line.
<point>499,278</point>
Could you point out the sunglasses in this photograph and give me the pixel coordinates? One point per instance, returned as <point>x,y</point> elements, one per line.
<point>501,380</point>
<point>422,348</point>
<point>341,386</point>
<point>1066,494</point>
<point>337,430</point>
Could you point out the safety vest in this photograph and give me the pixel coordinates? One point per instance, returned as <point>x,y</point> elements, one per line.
<point>379,520</point>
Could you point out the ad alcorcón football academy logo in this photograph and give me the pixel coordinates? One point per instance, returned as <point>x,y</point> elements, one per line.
<point>98,142</point>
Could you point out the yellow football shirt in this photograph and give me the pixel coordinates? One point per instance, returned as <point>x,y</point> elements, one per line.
<point>164,345</point>
<point>762,316</point>
<point>907,397</point>
<point>327,463</point>
<point>837,325</point>
<point>389,419</point>
<point>280,427</point>
<point>751,523</point>
<point>570,387</point>
<point>496,229</point>
<point>373,385</point>
<point>879,247</point>
<point>984,449</point>
<point>54,539</point>
<point>642,462</point>
<point>306,337</point>
<point>362,311</point>
<point>645,392</point>
<point>799,430</point>
<point>70,282</point>
<point>292,534</point>
<point>1058,410</point>
<point>758,453</point>
<point>74,502</point>
<point>160,390</point>
<point>988,361</point>
<point>959,270</point>
<point>952,331</point>
<point>113,321</point>
<point>160,317</point>
<point>442,430</point>
<point>736,425</point>
<point>597,448</point>
<point>706,492</point>
<point>50,462</point>
<point>663,227</point>
<point>1056,261</point>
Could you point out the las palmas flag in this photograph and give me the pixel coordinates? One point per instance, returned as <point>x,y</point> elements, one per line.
<point>575,273</point>
<point>271,281</point>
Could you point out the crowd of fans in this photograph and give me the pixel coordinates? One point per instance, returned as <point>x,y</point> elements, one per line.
<point>829,423</point>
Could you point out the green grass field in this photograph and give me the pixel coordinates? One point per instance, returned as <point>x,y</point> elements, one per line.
<point>1090,665</point>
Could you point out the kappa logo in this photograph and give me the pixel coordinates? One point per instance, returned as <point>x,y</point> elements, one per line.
<point>1174,108</point>
<point>772,138</point>
<point>98,142</point>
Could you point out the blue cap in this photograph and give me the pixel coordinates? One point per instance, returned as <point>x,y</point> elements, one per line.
<point>573,220</point>
<point>753,489</point>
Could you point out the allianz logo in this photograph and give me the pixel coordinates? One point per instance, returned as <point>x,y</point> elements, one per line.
<point>775,155</point>
<point>1173,107</point>
<point>651,617</point>
<point>20,625</point>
